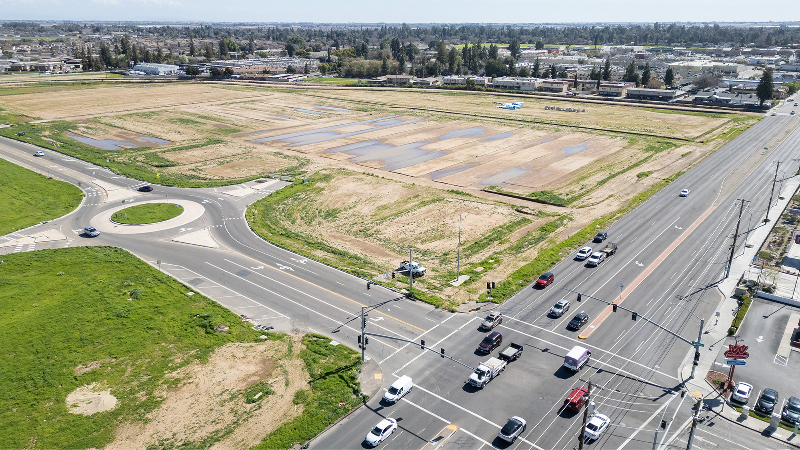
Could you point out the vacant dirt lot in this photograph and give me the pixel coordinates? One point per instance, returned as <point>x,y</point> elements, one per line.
<point>390,157</point>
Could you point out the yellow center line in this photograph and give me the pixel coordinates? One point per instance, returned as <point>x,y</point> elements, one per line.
<point>312,284</point>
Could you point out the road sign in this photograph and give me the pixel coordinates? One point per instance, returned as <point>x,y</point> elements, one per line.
<point>735,362</point>
<point>737,351</point>
<point>698,344</point>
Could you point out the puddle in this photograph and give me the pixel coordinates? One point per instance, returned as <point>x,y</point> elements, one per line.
<point>443,173</point>
<point>308,111</point>
<point>497,137</point>
<point>111,144</point>
<point>331,108</point>
<point>395,157</point>
<point>500,178</point>
<point>153,140</point>
<point>326,134</point>
<point>546,140</point>
<point>469,132</point>
<point>572,150</point>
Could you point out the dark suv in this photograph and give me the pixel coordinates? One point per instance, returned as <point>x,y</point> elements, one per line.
<point>490,342</point>
<point>766,402</point>
<point>601,236</point>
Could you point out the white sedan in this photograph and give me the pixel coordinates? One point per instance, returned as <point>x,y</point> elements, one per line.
<point>39,153</point>
<point>685,193</point>
<point>583,253</point>
<point>597,424</point>
<point>596,259</point>
<point>382,430</point>
<point>742,392</point>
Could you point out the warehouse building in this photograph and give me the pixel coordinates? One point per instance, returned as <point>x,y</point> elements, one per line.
<point>156,69</point>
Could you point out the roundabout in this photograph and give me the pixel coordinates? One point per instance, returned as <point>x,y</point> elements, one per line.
<point>103,222</point>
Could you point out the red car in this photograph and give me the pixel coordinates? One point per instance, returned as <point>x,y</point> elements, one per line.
<point>576,399</point>
<point>545,280</point>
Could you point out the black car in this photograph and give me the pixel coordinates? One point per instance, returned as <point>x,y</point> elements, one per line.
<point>146,189</point>
<point>578,321</point>
<point>791,411</point>
<point>490,342</point>
<point>766,402</point>
<point>601,236</point>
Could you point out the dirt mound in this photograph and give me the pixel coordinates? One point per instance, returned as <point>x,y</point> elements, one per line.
<point>83,368</point>
<point>209,402</point>
<point>84,400</point>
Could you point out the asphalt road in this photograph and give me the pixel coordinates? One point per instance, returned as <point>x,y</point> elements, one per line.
<point>672,251</point>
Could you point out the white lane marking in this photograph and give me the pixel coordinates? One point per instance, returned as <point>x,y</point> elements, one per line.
<point>290,300</point>
<point>472,413</point>
<point>425,410</point>
<point>308,295</point>
<point>417,338</point>
<point>434,345</point>
<point>655,413</point>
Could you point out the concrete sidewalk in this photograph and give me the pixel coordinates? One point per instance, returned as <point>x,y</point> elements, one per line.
<point>716,331</point>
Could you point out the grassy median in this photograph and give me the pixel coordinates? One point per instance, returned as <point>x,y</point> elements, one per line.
<point>147,213</point>
<point>29,198</point>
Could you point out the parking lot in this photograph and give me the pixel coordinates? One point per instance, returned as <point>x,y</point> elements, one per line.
<point>769,365</point>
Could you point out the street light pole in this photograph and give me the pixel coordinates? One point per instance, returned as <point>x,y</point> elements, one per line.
<point>772,192</point>
<point>410,274</point>
<point>694,423</point>
<point>458,264</point>
<point>585,415</point>
<point>735,235</point>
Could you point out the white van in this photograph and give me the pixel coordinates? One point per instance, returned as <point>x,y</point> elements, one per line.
<point>576,358</point>
<point>398,389</point>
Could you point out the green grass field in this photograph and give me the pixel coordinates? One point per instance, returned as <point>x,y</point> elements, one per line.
<point>29,198</point>
<point>147,213</point>
<point>66,307</point>
<point>336,81</point>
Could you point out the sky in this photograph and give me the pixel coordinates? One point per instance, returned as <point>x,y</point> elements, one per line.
<point>410,11</point>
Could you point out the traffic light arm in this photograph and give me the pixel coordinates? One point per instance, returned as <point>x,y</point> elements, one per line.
<point>420,346</point>
<point>695,344</point>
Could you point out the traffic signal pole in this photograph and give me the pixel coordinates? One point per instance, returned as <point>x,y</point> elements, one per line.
<point>364,334</point>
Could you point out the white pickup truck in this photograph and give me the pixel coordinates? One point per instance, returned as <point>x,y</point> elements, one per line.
<point>414,267</point>
<point>486,372</point>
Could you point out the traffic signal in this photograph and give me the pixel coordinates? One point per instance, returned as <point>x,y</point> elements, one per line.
<point>633,316</point>
<point>696,358</point>
<point>663,423</point>
<point>579,297</point>
<point>614,307</point>
<point>393,275</point>
<point>366,340</point>
<point>364,321</point>
<point>488,285</point>
<point>422,344</point>
<point>442,353</point>
<point>359,339</point>
<point>492,284</point>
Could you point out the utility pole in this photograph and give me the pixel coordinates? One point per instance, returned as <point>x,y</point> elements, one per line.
<point>774,180</point>
<point>735,235</point>
<point>585,415</point>
<point>694,423</point>
<point>458,264</point>
<point>697,347</point>
<point>363,341</point>
<point>410,274</point>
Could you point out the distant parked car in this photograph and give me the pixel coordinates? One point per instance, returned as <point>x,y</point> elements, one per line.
<point>146,189</point>
<point>512,429</point>
<point>490,342</point>
<point>578,321</point>
<point>742,392</point>
<point>491,321</point>
<point>597,424</point>
<point>767,401</point>
<point>583,253</point>
<point>791,411</point>
<point>560,308</point>
<point>545,280</point>
<point>91,231</point>
<point>39,153</point>
<point>685,193</point>
<point>601,236</point>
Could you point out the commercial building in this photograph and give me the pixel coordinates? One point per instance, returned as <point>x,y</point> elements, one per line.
<point>688,68</point>
<point>554,86</point>
<point>156,69</point>
<point>615,89</point>
<point>516,83</point>
<point>654,94</point>
<point>462,79</point>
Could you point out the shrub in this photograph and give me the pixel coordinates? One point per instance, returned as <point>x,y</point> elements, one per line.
<point>644,174</point>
